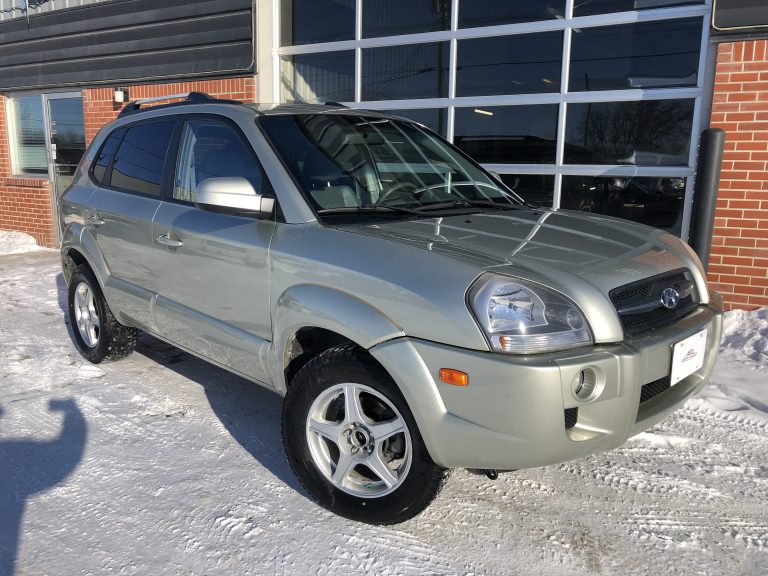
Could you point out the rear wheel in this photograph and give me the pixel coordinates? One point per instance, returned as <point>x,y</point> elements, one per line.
<point>353,443</point>
<point>95,332</point>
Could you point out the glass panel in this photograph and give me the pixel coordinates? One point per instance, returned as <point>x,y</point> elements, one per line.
<point>211,150</point>
<point>491,12</point>
<point>345,162</point>
<point>410,71</point>
<point>432,118</point>
<point>645,55</point>
<point>508,134</point>
<point>140,159</point>
<point>656,202</point>
<point>310,21</point>
<point>105,155</point>
<point>391,17</point>
<point>646,133</point>
<point>520,64</point>
<point>587,7</point>
<point>68,137</point>
<point>325,77</point>
<point>30,154</point>
<point>536,189</point>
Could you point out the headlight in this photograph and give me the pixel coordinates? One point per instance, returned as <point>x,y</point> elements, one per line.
<point>522,317</point>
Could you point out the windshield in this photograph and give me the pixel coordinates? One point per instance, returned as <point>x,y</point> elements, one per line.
<point>347,163</point>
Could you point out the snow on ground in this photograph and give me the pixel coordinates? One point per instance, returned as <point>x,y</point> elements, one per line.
<point>17,243</point>
<point>161,464</point>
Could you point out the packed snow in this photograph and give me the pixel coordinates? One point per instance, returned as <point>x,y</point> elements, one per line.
<point>163,464</point>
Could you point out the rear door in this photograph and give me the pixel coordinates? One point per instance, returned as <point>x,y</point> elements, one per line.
<point>213,278</point>
<point>129,170</point>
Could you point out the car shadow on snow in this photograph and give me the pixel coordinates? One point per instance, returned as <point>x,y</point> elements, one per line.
<point>29,467</point>
<point>249,412</point>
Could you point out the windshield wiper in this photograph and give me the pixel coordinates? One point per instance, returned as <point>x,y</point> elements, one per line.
<point>389,210</point>
<point>465,203</point>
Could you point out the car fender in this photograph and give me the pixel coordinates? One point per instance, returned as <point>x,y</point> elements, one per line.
<point>308,305</point>
<point>78,238</point>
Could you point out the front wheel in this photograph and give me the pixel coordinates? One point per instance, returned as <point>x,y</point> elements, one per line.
<point>353,443</point>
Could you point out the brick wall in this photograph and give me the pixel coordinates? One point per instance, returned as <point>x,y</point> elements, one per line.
<point>99,108</point>
<point>738,266</point>
<point>25,203</point>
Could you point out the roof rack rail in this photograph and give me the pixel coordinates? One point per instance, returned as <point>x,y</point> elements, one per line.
<point>189,98</point>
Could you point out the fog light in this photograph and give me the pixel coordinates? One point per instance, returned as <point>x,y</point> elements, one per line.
<point>585,385</point>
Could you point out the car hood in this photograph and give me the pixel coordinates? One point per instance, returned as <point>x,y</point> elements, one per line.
<point>582,255</point>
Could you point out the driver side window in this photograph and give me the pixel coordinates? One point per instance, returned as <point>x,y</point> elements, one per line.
<point>213,149</point>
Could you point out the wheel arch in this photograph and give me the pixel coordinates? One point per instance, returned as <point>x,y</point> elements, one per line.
<point>309,319</point>
<point>78,246</point>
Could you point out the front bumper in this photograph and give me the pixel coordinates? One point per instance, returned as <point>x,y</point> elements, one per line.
<point>512,414</point>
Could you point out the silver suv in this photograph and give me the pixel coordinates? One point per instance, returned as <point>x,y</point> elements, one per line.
<point>415,314</point>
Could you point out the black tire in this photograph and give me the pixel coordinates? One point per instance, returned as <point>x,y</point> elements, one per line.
<point>110,340</point>
<point>421,480</point>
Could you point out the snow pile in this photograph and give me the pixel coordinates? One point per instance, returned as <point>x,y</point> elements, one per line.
<point>17,243</point>
<point>739,381</point>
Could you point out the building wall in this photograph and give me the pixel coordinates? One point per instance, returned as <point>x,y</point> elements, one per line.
<point>738,267</point>
<point>25,203</point>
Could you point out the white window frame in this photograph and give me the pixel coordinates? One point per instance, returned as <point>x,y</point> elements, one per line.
<point>562,99</point>
<point>13,148</point>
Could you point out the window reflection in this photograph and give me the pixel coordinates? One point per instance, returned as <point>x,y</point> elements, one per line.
<point>508,134</point>
<point>645,55</point>
<point>587,7</point>
<point>323,77</point>
<point>657,202</point>
<point>432,118</point>
<point>645,133</point>
<point>401,72</point>
<point>520,64</point>
<point>310,21</point>
<point>536,189</point>
<point>140,159</point>
<point>391,17</point>
<point>491,12</point>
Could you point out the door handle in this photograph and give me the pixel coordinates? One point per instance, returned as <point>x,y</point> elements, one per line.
<point>165,240</point>
<point>94,221</point>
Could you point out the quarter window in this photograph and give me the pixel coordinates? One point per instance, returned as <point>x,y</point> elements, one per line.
<point>107,152</point>
<point>140,159</point>
<point>211,149</point>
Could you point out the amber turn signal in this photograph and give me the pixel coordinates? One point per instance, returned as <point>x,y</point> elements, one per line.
<point>454,377</point>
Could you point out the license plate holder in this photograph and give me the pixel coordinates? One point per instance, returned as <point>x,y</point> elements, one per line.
<point>688,356</point>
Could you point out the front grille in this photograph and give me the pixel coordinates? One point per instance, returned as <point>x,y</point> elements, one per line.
<point>653,389</point>
<point>571,416</point>
<point>650,289</point>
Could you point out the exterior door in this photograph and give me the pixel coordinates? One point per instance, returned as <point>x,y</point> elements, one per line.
<point>65,135</point>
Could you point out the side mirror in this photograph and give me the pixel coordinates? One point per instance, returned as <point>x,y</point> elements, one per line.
<point>231,196</point>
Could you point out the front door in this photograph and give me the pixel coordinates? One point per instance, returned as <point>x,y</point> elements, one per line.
<point>65,129</point>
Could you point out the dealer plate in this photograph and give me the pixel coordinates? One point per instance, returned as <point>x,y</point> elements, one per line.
<point>688,356</point>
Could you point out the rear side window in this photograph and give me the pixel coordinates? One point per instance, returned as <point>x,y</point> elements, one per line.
<point>140,159</point>
<point>104,159</point>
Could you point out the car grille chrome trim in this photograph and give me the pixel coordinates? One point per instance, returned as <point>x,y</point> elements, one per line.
<point>639,304</point>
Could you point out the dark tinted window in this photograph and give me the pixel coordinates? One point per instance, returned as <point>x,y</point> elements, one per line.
<point>323,77</point>
<point>432,118</point>
<point>520,64</point>
<point>587,7</point>
<point>536,189</point>
<point>508,134</point>
<point>657,202</point>
<point>491,12</point>
<point>105,155</point>
<point>645,55</point>
<point>140,159</point>
<point>646,133</point>
<point>211,149</point>
<point>391,17</point>
<point>310,21</point>
<point>401,72</point>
